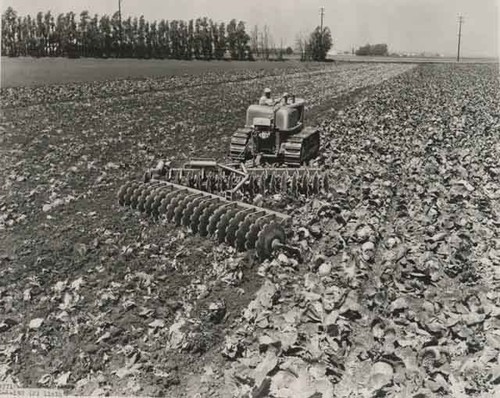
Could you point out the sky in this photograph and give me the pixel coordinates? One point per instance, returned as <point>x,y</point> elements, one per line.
<point>405,25</point>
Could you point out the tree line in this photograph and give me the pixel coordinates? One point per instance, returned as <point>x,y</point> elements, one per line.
<point>313,47</point>
<point>316,46</point>
<point>373,49</point>
<point>69,35</point>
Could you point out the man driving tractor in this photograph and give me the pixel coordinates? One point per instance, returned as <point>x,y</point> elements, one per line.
<point>266,98</point>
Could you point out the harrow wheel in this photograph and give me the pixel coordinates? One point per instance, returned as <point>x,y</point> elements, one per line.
<point>182,207</point>
<point>141,200</point>
<point>198,210</point>
<point>189,211</point>
<point>267,239</point>
<point>234,224</point>
<point>128,194</point>
<point>153,202</point>
<point>243,229</point>
<point>253,232</point>
<point>223,224</point>
<point>205,217</point>
<point>162,208</point>
<point>135,196</point>
<point>123,192</point>
<point>216,216</point>
<point>176,201</point>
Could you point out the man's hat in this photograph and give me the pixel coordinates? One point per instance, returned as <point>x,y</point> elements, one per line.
<point>267,90</point>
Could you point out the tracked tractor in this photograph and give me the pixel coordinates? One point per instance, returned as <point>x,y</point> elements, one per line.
<point>211,198</point>
<point>276,134</point>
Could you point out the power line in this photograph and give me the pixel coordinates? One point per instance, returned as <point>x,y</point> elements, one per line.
<point>460,22</point>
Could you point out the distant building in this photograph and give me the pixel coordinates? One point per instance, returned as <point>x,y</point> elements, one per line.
<point>423,54</point>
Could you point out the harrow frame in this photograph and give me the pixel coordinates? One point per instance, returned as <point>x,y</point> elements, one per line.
<point>231,179</point>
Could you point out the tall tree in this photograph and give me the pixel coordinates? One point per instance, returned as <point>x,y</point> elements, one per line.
<point>135,38</point>
<point>41,35</point>
<point>5,33</point>
<point>265,39</point>
<point>83,37</point>
<point>110,36</point>
<point>30,36</point>
<point>141,38</point>
<point>147,40</point>
<point>190,40</point>
<point>153,33</point>
<point>60,35</point>
<point>206,39</point>
<point>128,38</point>
<point>48,20</point>
<point>94,37</point>
<point>197,39</point>
<point>9,23</point>
<point>71,35</point>
<point>232,39</point>
<point>115,35</point>
<point>302,47</point>
<point>254,41</point>
<point>183,39</point>
<point>320,42</point>
<point>242,38</point>
<point>26,34</point>
<point>174,39</point>
<point>106,36</point>
<point>163,39</point>
<point>218,34</point>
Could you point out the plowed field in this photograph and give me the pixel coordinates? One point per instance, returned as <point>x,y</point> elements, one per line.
<point>398,293</point>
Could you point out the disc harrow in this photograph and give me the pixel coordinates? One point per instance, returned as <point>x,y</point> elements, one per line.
<point>241,225</point>
<point>214,178</point>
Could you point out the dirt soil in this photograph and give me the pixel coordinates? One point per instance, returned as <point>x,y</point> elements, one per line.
<point>97,299</point>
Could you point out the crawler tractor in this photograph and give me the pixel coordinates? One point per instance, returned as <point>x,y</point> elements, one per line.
<point>277,134</point>
<point>211,198</point>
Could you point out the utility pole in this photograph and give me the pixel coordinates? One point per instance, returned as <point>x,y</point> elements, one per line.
<point>120,22</point>
<point>460,22</point>
<point>322,13</point>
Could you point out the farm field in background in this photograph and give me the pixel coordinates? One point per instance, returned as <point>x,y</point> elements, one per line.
<point>413,60</point>
<point>398,293</point>
<point>25,71</point>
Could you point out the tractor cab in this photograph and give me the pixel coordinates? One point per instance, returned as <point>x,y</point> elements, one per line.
<point>272,125</point>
